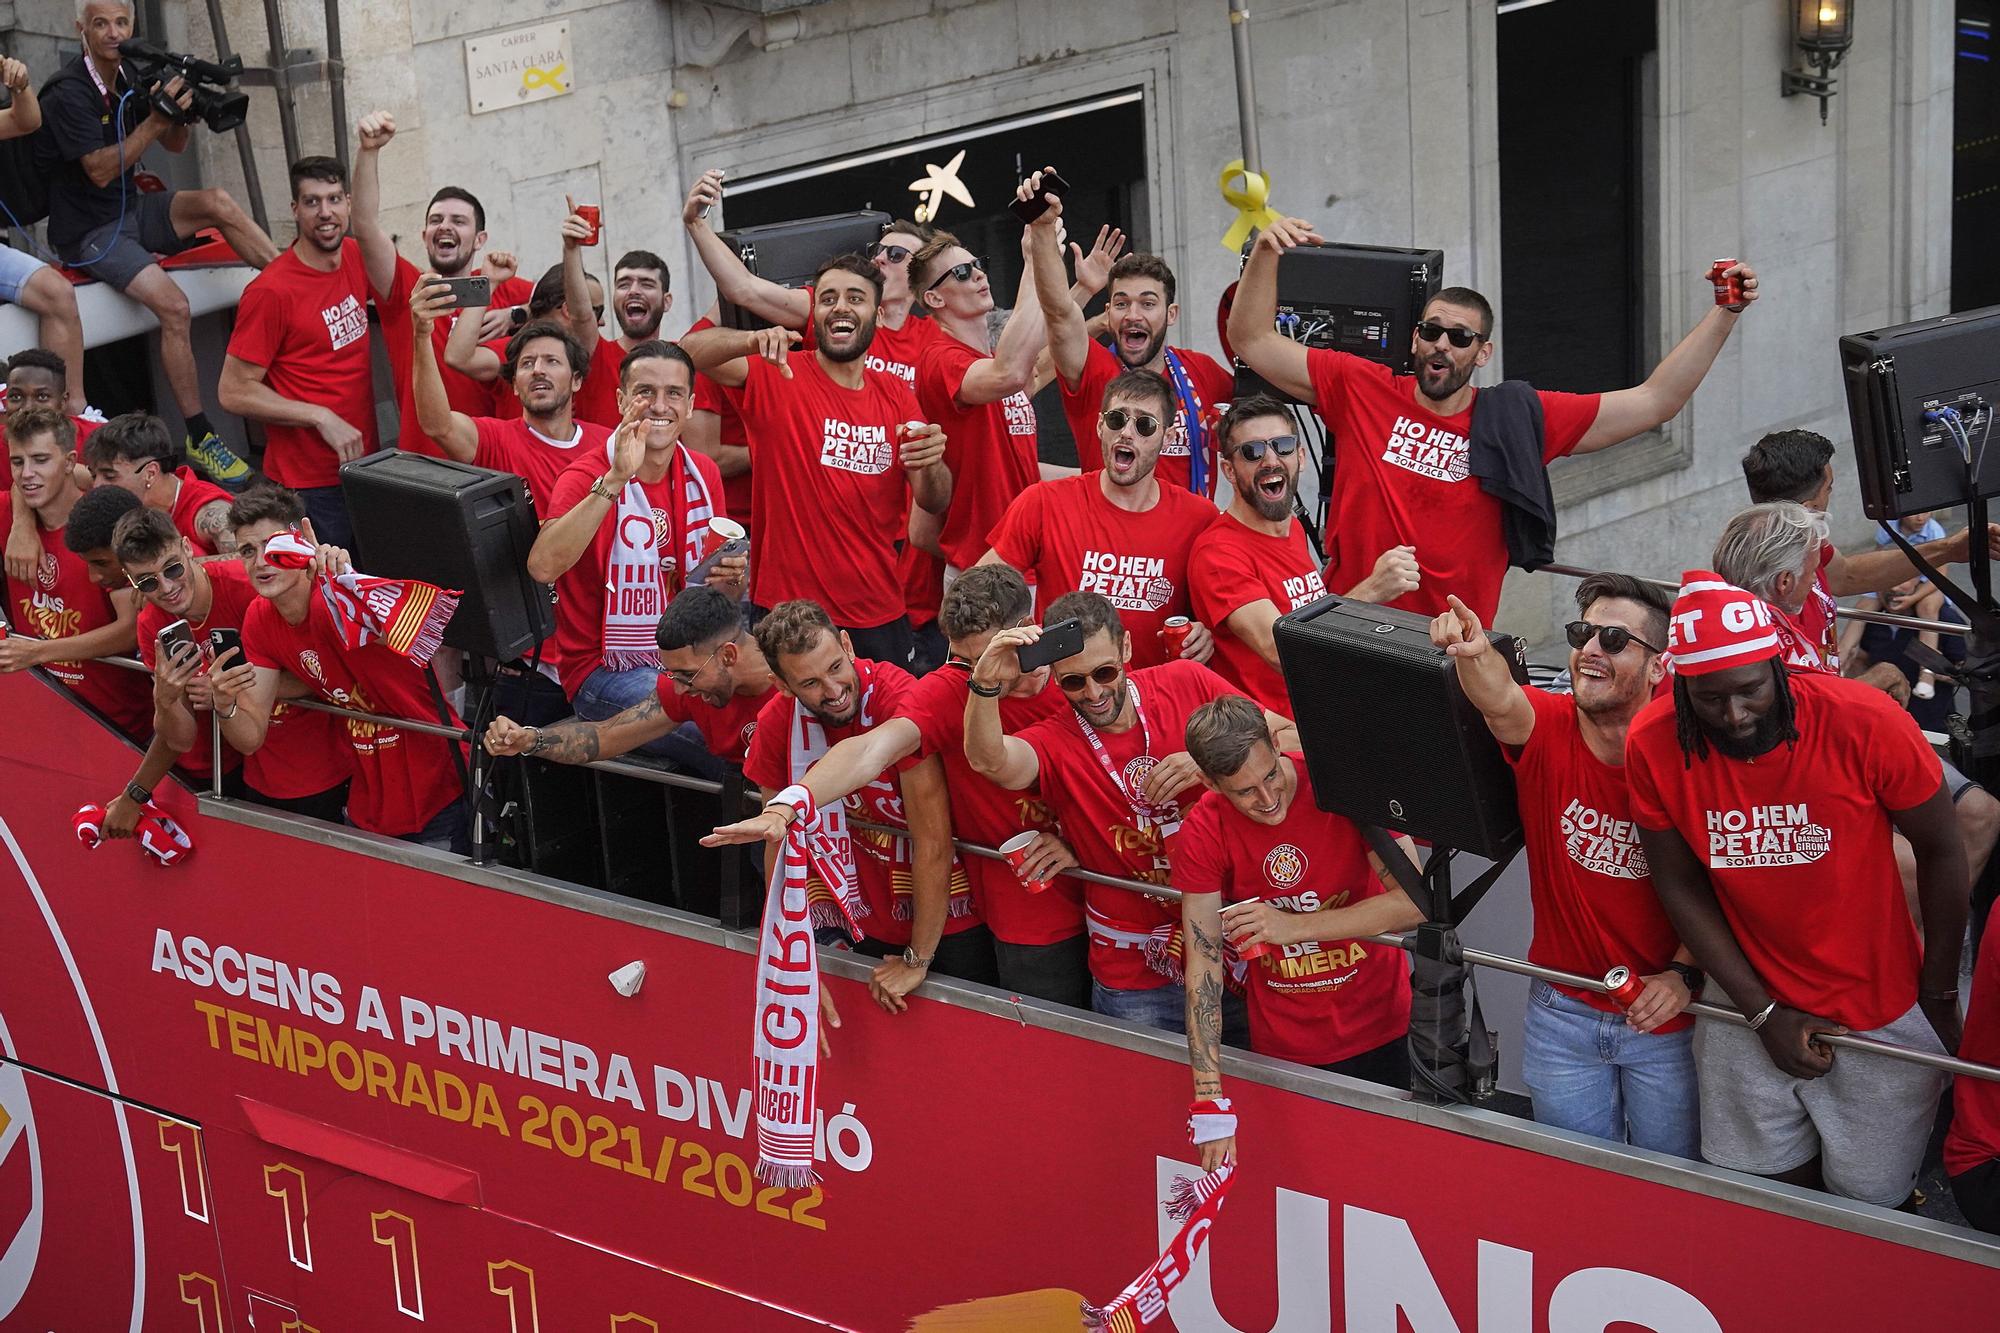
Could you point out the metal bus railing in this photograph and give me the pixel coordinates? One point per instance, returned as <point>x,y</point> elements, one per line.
<point>1476,957</point>
<point>1889,618</point>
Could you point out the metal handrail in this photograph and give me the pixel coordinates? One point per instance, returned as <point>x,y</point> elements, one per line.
<point>1477,957</point>
<point>1891,618</point>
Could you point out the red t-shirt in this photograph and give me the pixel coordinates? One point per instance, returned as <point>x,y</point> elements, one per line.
<point>709,397</point>
<point>1975,1118</point>
<point>309,331</point>
<point>984,813</point>
<point>726,731</point>
<point>60,603</point>
<point>1067,537</point>
<point>1797,844</point>
<point>1400,479</point>
<point>1323,1000</point>
<point>194,495</point>
<point>990,447</point>
<point>1594,904</point>
<point>1213,385</point>
<point>828,493</point>
<point>515,446</point>
<point>881,861</point>
<point>579,636</point>
<point>1102,822</point>
<point>466,394</point>
<point>1817,621</point>
<point>402,780</point>
<point>597,397</point>
<point>304,753</point>
<point>1233,566</point>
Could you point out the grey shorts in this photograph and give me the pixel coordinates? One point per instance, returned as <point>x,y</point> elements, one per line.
<point>1868,1119</point>
<point>1955,782</point>
<point>16,267</point>
<point>120,250</point>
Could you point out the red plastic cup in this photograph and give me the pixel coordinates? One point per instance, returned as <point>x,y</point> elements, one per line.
<point>1251,952</point>
<point>1625,986</point>
<point>592,214</point>
<point>1015,849</point>
<point>1728,291</point>
<point>1174,634</point>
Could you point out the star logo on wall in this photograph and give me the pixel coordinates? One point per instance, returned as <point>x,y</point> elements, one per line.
<point>936,183</point>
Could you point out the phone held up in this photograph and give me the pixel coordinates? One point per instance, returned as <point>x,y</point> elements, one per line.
<point>1060,640</point>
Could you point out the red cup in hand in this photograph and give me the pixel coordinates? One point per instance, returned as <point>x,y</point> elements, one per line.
<point>1015,849</point>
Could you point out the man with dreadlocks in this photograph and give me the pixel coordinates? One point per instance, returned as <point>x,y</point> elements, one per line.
<point>1765,803</point>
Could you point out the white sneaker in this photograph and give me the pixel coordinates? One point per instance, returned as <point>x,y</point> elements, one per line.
<point>1925,688</point>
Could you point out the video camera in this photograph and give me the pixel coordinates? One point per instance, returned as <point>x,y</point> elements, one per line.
<point>220,107</point>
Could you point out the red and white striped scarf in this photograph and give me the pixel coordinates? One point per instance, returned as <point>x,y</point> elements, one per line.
<point>406,616</point>
<point>836,897</point>
<point>1194,1203</point>
<point>785,1045</point>
<point>637,585</point>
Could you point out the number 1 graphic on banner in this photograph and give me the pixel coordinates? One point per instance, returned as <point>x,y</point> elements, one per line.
<point>287,1184</point>
<point>399,1233</point>
<point>512,1280</point>
<point>199,1290</point>
<point>180,1139</point>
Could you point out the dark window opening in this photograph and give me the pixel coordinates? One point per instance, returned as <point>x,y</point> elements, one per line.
<point>1975,156</point>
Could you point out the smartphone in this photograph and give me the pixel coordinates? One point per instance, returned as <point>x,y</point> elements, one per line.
<point>734,546</point>
<point>1029,209</point>
<point>470,291</point>
<point>173,640</point>
<point>1060,640</point>
<point>221,641</point>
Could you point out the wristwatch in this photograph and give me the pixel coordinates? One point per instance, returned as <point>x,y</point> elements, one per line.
<point>602,489</point>
<point>136,794</point>
<point>911,958</point>
<point>1693,976</point>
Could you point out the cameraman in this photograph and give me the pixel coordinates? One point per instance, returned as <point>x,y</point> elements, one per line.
<point>99,124</point>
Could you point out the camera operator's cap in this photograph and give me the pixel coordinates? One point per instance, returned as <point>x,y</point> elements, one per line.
<point>1717,625</point>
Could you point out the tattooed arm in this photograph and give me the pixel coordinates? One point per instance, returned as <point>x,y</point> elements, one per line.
<point>1201,924</point>
<point>575,741</point>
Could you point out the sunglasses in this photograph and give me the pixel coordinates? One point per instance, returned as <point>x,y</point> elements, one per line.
<point>149,584</point>
<point>1431,331</point>
<point>1104,675</point>
<point>895,254</point>
<point>1252,451</point>
<point>1145,423</point>
<point>959,273</point>
<point>1612,637</point>
<point>685,678</point>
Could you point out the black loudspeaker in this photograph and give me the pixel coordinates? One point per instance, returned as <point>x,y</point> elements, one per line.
<point>457,526</point>
<point>1390,739</point>
<point>1921,399</point>
<point>788,253</point>
<point>1363,299</point>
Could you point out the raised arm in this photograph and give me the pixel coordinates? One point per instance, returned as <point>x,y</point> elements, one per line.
<point>564,538</point>
<point>786,306</point>
<point>1007,761</point>
<point>378,249</point>
<point>1624,413</point>
<point>1068,342</point>
<point>454,432</point>
<point>836,775</point>
<point>463,351</point>
<point>1253,328</point>
<point>1011,368</point>
<point>1484,675</point>
<point>577,309</point>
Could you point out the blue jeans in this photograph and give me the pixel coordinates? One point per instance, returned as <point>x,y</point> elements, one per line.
<point>607,693</point>
<point>1590,1073</point>
<point>1165,1007</point>
<point>450,830</point>
<point>326,506</point>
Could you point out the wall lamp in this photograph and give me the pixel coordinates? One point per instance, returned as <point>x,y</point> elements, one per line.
<point>1823,30</point>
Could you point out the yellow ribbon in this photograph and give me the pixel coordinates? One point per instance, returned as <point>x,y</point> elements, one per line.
<point>1250,201</point>
<point>534,76</point>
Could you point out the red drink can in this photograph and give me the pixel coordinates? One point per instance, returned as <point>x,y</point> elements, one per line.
<point>1729,290</point>
<point>1174,634</point>
<point>592,214</point>
<point>912,430</point>
<point>1624,985</point>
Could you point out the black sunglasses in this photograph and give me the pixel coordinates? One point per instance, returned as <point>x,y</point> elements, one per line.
<point>1431,331</point>
<point>959,272</point>
<point>1252,451</point>
<point>1145,423</point>
<point>149,584</point>
<point>1612,637</point>
<point>1104,675</point>
<point>895,254</point>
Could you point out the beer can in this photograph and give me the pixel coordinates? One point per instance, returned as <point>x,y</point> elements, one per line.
<point>912,430</point>
<point>1728,290</point>
<point>1174,634</point>
<point>592,214</point>
<point>1624,985</point>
